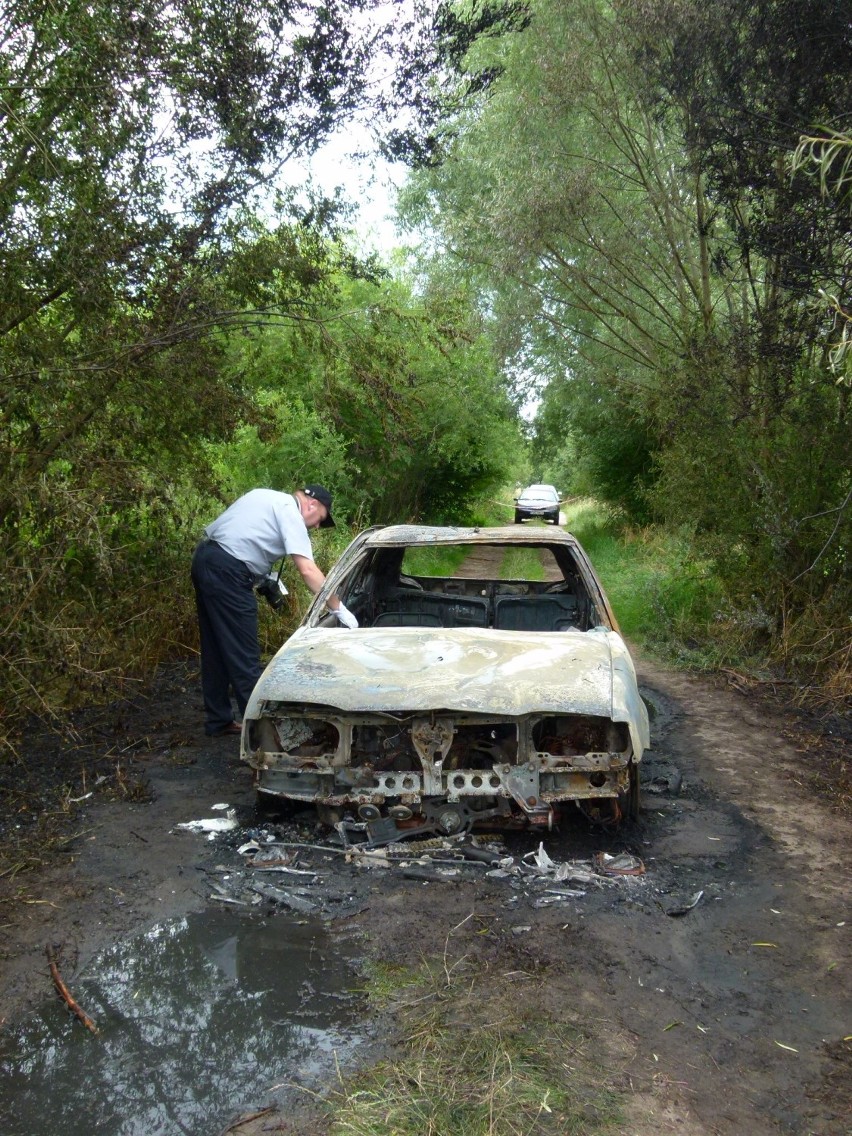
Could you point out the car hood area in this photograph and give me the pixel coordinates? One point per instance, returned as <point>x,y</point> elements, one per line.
<point>457,669</point>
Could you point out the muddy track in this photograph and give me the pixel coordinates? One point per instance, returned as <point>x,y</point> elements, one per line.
<point>726,1019</point>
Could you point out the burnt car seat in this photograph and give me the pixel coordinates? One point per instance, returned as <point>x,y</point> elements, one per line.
<point>536,613</point>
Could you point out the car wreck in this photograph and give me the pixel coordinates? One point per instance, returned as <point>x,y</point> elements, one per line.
<point>460,701</point>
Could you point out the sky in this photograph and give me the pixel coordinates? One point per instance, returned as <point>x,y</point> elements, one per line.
<point>368,183</point>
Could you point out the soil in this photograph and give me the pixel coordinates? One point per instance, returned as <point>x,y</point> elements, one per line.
<point>722,1014</point>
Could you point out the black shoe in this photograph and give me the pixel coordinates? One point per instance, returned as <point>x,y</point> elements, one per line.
<point>231,728</point>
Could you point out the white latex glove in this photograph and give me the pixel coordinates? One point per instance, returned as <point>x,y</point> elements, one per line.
<point>345,616</point>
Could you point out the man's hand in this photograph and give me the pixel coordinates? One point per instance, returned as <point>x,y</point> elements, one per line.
<point>345,616</point>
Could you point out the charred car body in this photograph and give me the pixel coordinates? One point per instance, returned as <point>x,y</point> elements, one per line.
<point>458,701</point>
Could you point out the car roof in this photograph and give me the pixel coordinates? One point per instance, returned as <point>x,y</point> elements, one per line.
<point>436,534</point>
<point>541,485</point>
<point>424,536</point>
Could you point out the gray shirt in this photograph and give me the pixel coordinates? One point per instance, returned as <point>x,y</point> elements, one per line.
<point>260,527</point>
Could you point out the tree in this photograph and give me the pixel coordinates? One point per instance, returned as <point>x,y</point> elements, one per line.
<point>137,142</point>
<point>745,80</point>
<point>627,169</point>
<point>568,196</point>
<point>831,153</point>
<point>395,397</point>
<point>134,139</point>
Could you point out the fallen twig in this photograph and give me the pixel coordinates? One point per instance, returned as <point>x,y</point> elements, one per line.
<point>73,836</point>
<point>20,866</point>
<point>66,994</point>
<point>234,1125</point>
<point>753,680</point>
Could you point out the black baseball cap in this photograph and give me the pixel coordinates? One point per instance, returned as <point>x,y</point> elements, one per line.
<point>321,494</point>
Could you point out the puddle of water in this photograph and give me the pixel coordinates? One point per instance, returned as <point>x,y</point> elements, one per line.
<point>199,1019</point>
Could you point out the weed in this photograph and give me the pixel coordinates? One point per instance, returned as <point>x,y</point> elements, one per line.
<point>434,561</point>
<point>473,1061</point>
<point>128,787</point>
<point>522,564</point>
<point>663,596</point>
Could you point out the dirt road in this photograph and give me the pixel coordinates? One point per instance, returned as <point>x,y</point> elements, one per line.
<point>728,1018</point>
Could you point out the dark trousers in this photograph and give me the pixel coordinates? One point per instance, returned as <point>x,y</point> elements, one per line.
<point>227,620</point>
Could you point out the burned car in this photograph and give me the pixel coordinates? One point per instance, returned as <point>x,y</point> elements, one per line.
<point>499,694</point>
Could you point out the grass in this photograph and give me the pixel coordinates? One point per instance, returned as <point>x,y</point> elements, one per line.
<point>471,1060</point>
<point>518,563</point>
<point>522,564</point>
<point>436,561</point>
<point>663,597</point>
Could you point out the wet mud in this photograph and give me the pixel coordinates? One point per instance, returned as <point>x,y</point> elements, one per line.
<point>714,985</point>
<point>193,1017</point>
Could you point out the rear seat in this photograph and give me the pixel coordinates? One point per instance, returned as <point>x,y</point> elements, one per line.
<point>536,613</point>
<point>407,619</point>
<point>407,608</point>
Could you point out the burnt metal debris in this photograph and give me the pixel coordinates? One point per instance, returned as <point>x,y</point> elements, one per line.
<point>311,878</point>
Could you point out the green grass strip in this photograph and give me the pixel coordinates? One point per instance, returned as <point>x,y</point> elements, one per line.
<point>469,1060</point>
<point>664,597</point>
<point>522,564</point>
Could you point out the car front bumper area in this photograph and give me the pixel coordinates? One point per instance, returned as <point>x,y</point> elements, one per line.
<point>405,773</point>
<point>537,512</point>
